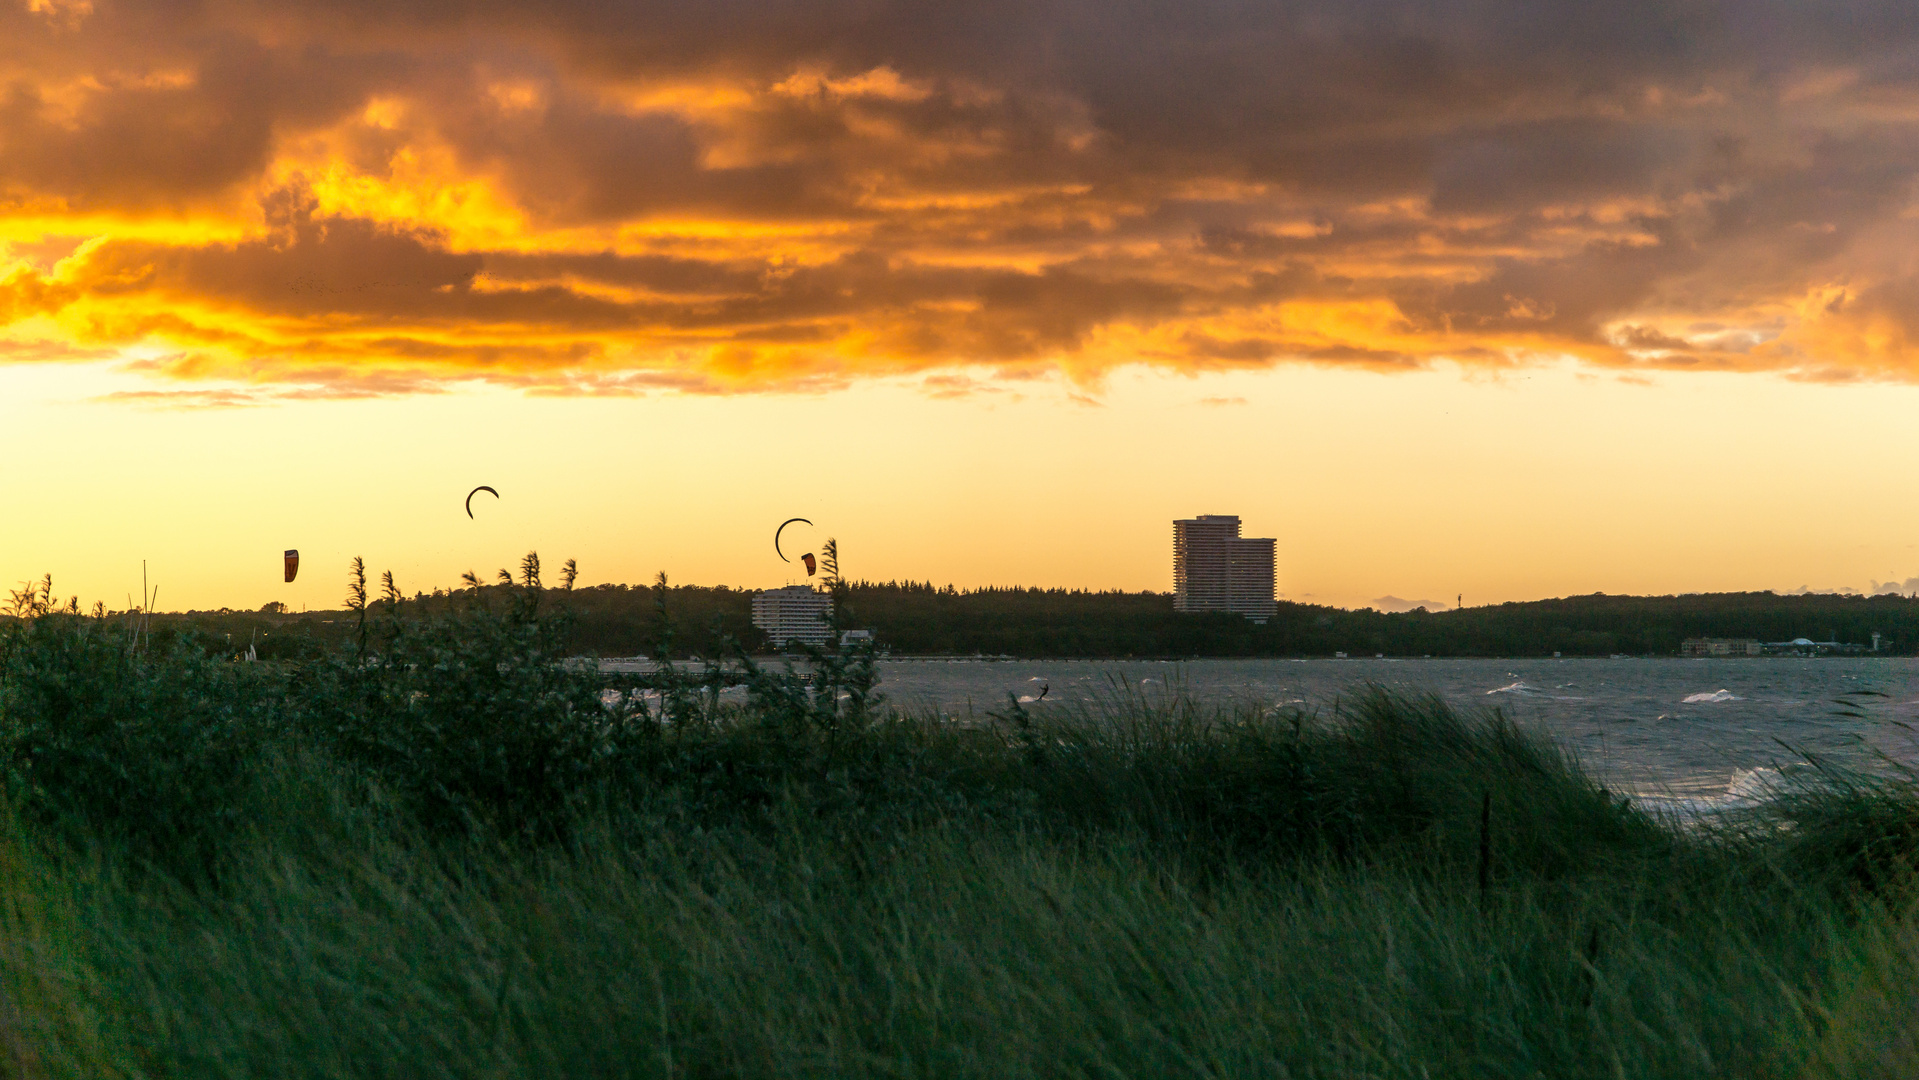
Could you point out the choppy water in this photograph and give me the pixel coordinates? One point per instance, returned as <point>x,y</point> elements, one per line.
<point>1693,733</point>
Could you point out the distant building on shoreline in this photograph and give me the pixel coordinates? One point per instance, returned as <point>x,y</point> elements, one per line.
<point>1795,647</point>
<point>1720,647</point>
<point>1216,569</point>
<point>795,613</point>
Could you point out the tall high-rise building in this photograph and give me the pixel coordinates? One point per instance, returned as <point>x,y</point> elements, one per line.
<point>794,613</point>
<point>1216,569</point>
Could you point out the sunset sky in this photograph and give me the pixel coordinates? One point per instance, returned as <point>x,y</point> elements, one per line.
<point>1505,299</point>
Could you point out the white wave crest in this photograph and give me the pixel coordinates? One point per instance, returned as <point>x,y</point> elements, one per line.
<point>1751,785</point>
<point>1714,695</point>
<point>1515,688</point>
<point>1746,788</point>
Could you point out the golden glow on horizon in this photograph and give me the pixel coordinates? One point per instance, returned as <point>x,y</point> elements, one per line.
<point>1419,486</point>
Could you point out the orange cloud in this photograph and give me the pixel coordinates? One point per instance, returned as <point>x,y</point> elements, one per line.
<point>336,197</point>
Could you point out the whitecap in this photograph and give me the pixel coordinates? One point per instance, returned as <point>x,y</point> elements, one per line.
<point>1715,695</point>
<point>1749,786</point>
<point>1745,789</point>
<point>1514,688</point>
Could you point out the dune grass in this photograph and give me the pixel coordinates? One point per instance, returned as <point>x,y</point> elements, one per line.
<point>444,854</point>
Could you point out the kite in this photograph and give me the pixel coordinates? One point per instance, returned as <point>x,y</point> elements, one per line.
<point>776,537</point>
<point>476,491</point>
<point>293,563</point>
<point>808,560</point>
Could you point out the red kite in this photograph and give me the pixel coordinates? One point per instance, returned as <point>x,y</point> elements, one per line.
<point>293,564</point>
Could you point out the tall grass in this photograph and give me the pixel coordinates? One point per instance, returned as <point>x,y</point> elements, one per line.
<point>447,853</point>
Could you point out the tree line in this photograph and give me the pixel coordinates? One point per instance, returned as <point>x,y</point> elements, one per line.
<point>919,618</point>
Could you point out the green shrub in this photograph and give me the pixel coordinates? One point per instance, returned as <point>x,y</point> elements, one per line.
<point>155,744</point>
<point>472,715</point>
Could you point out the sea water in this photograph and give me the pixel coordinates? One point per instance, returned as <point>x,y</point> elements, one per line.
<point>1693,734</point>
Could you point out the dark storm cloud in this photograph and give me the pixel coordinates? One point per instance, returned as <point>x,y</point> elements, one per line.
<point>739,195</point>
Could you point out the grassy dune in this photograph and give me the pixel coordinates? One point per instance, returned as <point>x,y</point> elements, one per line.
<point>442,854</point>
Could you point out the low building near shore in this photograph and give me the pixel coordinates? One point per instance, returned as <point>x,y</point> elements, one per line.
<point>1795,647</point>
<point>1721,647</point>
<point>1809,647</point>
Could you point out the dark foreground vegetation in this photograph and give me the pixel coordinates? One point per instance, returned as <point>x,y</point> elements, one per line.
<point>919,619</point>
<point>434,851</point>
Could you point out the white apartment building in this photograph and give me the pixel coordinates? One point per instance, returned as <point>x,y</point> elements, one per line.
<point>794,613</point>
<point>1216,569</point>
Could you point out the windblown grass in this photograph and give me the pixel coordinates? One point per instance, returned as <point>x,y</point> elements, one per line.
<point>443,856</point>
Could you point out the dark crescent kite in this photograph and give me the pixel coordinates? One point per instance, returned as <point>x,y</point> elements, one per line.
<point>293,563</point>
<point>476,491</point>
<point>776,536</point>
